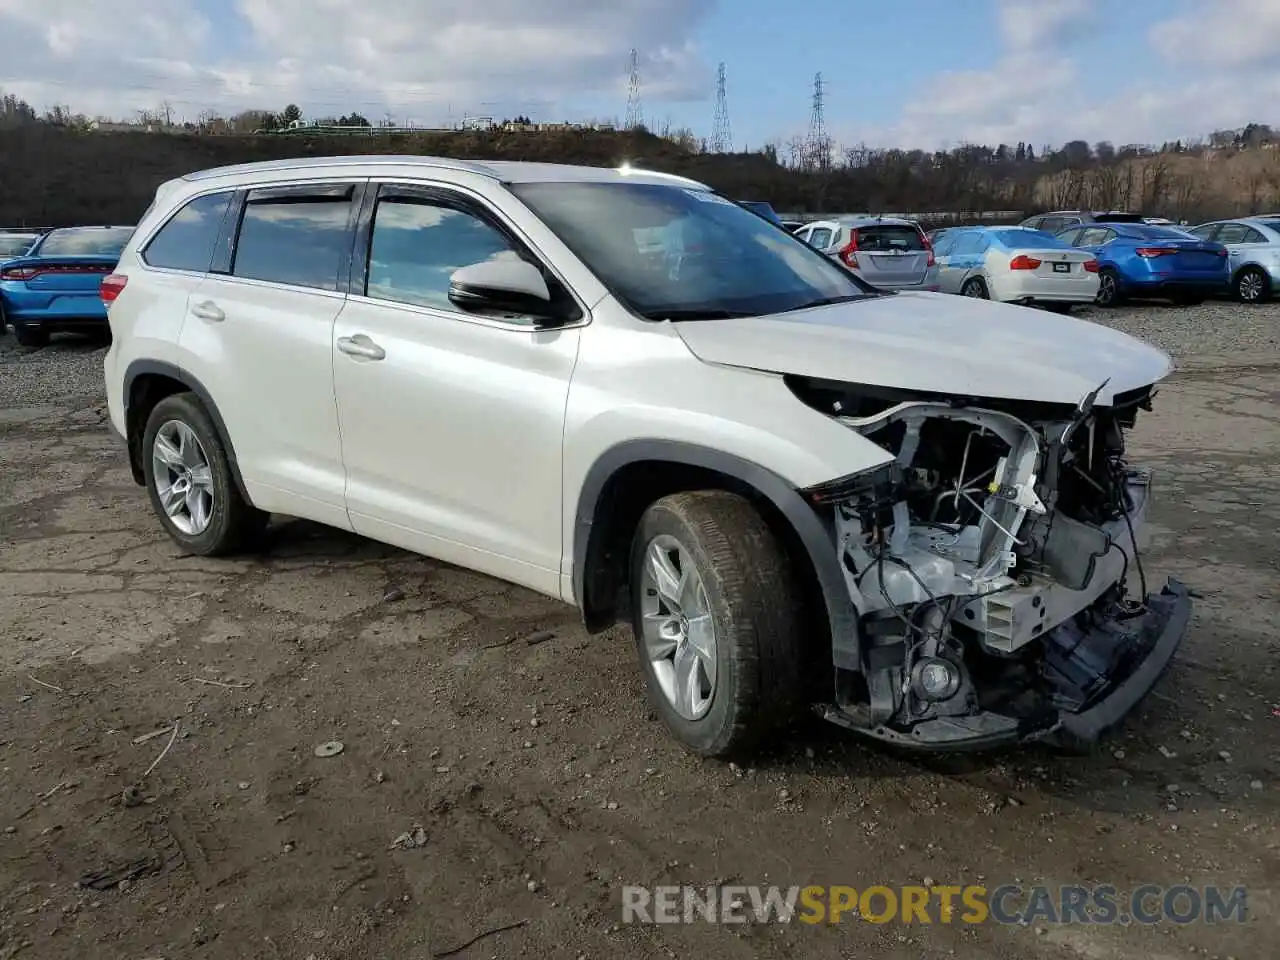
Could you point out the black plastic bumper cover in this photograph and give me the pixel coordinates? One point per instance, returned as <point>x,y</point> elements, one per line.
<point>1165,622</point>
<point>1172,605</point>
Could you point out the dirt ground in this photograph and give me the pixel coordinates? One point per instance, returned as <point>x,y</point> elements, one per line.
<point>537,776</point>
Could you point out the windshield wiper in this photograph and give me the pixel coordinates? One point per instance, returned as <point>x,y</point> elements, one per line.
<point>708,314</point>
<point>830,301</point>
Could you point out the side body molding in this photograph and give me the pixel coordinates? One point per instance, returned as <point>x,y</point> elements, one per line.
<point>816,537</point>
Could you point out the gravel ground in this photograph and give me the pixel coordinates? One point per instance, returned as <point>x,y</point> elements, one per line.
<point>160,714</point>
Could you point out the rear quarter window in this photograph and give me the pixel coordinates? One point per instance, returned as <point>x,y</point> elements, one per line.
<point>187,240</point>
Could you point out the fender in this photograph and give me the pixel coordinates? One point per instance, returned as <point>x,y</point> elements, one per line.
<point>140,368</point>
<point>814,535</point>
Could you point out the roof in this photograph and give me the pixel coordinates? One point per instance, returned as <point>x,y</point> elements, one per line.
<point>505,171</point>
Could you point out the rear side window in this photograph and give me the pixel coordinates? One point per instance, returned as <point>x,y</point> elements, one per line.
<point>298,238</point>
<point>15,246</point>
<point>890,237</point>
<point>186,242</point>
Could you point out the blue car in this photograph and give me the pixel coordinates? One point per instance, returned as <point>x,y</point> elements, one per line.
<point>1142,260</point>
<point>55,285</point>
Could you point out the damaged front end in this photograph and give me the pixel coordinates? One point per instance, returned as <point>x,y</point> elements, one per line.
<point>989,565</point>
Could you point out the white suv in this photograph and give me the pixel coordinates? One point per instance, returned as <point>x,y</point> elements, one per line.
<point>911,512</point>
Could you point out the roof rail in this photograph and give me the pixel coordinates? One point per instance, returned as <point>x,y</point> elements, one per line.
<point>310,163</point>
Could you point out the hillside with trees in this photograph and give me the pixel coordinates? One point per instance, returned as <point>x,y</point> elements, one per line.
<point>59,168</point>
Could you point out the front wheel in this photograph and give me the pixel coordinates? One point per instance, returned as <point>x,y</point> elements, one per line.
<point>190,483</point>
<point>716,616</point>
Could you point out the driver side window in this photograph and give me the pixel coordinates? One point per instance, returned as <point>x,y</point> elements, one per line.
<point>418,243</point>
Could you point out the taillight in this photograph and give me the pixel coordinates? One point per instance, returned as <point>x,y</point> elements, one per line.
<point>18,273</point>
<point>849,255</point>
<point>1023,262</point>
<point>1222,252</point>
<point>1150,252</point>
<point>111,287</point>
<point>1091,266</point>
<point>928,248</point>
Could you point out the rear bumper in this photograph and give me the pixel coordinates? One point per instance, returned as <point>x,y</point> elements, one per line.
<point>1158,631</point>
<point>1173,286</point>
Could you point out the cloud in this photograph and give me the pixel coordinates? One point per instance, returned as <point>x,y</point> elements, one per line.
<point>417,59</point>
<point>1232,34</point>
<point>1221,73</point>
<point>1028,26</point>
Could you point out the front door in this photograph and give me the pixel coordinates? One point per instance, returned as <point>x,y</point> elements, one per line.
<point>451,423</point>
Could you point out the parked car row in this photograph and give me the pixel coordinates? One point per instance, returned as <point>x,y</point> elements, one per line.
<point>1063,258</point>
<point>50,281</point>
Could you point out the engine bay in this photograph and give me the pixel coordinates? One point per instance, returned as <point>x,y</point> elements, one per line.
<point>989,561</point>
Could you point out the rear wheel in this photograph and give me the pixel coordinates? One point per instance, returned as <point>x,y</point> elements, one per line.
<point>30,335</point>
<point>190,483</point>
<point>1108,288</point>
<point>975,287</point>
<point>716,616</point>
<point>1253,286</point>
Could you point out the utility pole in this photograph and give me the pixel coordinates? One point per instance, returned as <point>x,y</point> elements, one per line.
<point>635,116</point>
<point>817,145</point>
<point>721,131</point>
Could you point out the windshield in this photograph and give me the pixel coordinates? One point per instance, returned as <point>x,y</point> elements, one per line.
<point>15,246</point>
<point>670,252</point>
<point>86,242</point>
<point>1024,238</point>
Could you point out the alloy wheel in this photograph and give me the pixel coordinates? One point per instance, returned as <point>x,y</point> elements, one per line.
<point>678,630</point>
<point>183,478</point>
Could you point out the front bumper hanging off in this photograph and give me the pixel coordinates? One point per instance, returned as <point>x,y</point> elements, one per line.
<point>1155,635</point>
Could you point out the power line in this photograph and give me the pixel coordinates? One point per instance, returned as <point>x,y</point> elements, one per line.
<point>635,115</point>
<point>721,131</point>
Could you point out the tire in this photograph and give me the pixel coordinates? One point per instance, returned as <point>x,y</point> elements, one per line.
<point>750,600</point>
<point>975,287</point>
<point>1252,285</point>
<point>4,320</point>
<point>217,520</point>
<point>28,335</point>
<point>1108,289</point>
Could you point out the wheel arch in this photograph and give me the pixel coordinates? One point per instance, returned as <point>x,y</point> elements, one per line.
<point>1252,265</point>
<point>628,477</point>
<point>146,383</point>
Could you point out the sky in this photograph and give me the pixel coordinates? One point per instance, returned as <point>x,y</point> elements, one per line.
<point>923,74</point>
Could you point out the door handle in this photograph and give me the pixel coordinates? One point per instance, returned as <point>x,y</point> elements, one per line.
<point>208,310</point>
<point>361,346</point>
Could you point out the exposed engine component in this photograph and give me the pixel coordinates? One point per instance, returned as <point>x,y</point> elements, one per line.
<point>989,560</point>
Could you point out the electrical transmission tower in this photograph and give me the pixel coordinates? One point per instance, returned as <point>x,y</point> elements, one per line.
<point>635,117</point>
<point>721,131</point>
<point>817,145</point>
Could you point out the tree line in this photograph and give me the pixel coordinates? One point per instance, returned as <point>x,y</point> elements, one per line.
<point>59,167</point>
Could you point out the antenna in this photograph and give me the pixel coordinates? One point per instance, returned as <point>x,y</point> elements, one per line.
<point>817,146</point>
<point>721,132</point>
<point>635,116</point>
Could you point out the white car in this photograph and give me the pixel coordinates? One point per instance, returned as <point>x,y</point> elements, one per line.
<point>910,511</point>
<point>888,252</point>
<point>1015,265</point>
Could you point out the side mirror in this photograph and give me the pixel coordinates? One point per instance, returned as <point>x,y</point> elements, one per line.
<point>512,287</point>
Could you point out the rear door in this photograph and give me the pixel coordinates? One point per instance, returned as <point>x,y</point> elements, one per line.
<point>259,333</point>
<point>1242,242</point>
<point>892,255</point>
